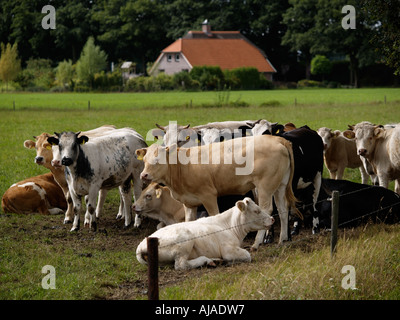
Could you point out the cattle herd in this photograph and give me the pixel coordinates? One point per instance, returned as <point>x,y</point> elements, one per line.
<point>210,185</point>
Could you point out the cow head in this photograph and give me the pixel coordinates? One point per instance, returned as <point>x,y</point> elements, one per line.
<point>149,200</point>
<point>327,135</point>
<point>183,136</point>
<point>262,127</point>
<point>44,153</point>
<point>68,146</point>
<point>156,162</point>
<point>255,218</point>
<point>365,135</point>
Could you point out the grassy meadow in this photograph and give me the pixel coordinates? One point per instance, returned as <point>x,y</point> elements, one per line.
<point>103,264</point>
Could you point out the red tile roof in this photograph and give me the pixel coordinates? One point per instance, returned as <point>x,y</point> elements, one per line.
<point>226,53</point>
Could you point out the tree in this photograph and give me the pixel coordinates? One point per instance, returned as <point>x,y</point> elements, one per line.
<point>10,65</point>
<point>91,61</point>
<point>320,65</point>
<point>65,73</point>
<point>384,15</point>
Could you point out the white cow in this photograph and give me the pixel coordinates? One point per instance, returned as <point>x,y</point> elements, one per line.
<point>340,153</point>
<point>100,163</point>
<point>197,243</point>
<point>381,147</point>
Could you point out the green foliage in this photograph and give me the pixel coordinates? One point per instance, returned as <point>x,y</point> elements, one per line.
<point>10,65</point>
<point>246,78</point>
<point>320,65</point>
<point>65,73</point>
<point>91,61</point>
<point>210,77</point>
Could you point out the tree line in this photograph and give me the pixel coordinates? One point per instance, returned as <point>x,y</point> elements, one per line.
<point>290,32</point>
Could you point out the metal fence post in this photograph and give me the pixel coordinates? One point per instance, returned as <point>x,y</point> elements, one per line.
<point>334,221</point>
<point>152,260</point>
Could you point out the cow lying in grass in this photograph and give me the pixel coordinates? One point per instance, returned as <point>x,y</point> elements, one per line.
<point>201,242</point>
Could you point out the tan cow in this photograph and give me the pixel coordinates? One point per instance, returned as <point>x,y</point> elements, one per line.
<point>196,243</point>
<point>156,203</point>
<point>200,174</point>
<point>381,147</point>
<point>340,153</point>
<point>40,194</point>
<point>44,157</point>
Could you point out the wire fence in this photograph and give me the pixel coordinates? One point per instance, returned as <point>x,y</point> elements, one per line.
<point>292,242</point>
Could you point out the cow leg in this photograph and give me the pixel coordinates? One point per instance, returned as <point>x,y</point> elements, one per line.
<point>137,190</point>
<point>397,186</point>
<point>126,193</point>
<point>265,204</point>
<point>69,214</point>
<point>317,186</point>
<point>211,205</point>
<point>364,175</point>
<point>100,202</point>
<point>235,254</point>
<point>190,213</point>
<point>90,217</point>
<point>77,201</point>
<point>120,213</point>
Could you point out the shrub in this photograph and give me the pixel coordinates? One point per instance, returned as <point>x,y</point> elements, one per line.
<point>210,77</point>
<point>309,84</point>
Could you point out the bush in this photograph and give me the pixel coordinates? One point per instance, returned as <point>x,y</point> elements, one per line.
<point>246,78</point>
<point>209,77</point>
<point>309,84</point>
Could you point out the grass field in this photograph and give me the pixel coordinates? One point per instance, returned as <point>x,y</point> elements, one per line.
<point>103,264</point>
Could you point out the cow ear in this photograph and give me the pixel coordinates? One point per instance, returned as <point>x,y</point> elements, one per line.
<point>53,141</point>
<point>379,131</point>
<point>140,153</point>
<point>157,133</point>
<point>83,139</point>
<point>29,144</point>
<point>349,134</point>
<point>158,193</point>
<point>336,133</point>
<point>241,205</point>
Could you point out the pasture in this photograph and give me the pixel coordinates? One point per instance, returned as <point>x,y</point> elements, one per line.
<point>103,265</point>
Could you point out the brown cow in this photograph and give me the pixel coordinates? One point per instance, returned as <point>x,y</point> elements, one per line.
<point>199,175</point>
<point>40,194</point>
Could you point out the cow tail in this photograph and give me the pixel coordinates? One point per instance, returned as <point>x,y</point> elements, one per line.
<point>290,197</point>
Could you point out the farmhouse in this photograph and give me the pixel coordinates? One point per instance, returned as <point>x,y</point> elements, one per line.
<point>226,49</point>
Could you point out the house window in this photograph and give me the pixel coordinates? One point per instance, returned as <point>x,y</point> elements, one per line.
<point>169,57</point>
<point>177,57</point>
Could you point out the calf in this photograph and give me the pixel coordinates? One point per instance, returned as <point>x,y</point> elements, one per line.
<point>340,153</point>
<point>196,243</point>
<point>231,167</point>
<point>358,203</point>
<point>37,194</point>
<point>102,163</point>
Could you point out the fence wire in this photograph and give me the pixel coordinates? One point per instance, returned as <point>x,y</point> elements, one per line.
<point>291,242</point>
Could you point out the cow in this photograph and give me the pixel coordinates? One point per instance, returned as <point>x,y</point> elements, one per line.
<point>380,146</point>
<point>185,136</point>
<point>263,126</point>
<point>340,153</point>
<point>205,172</point>
<point>44,157</point>
<point>308,158</point>
<point>39,194</point>
<point>358,203</point>
<point>204,241</point>
<point>157,203</point>
<point>103,162</point>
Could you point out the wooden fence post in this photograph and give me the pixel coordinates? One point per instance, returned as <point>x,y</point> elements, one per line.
<point>334,221</point>
<point>152,261</point>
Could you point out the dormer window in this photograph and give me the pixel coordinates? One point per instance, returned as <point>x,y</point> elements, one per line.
<point>177,57</point>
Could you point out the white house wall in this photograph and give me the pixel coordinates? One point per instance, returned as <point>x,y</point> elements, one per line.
<point>173,66</point>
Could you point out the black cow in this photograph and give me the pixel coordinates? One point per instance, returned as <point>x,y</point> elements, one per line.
<point>358,203</point>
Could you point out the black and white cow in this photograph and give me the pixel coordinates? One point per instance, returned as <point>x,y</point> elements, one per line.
<point>100,163</point>
<point>358,203</point>
<point>308,152</point>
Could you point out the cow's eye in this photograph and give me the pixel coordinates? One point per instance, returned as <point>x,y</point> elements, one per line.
<point>148,196</point>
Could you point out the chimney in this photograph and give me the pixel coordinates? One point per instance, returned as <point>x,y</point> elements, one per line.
<point>206,27</point>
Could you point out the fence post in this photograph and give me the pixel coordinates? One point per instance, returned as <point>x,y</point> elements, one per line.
<point>88,105</point>
<point>152,260</point>
<point>334,221</point>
